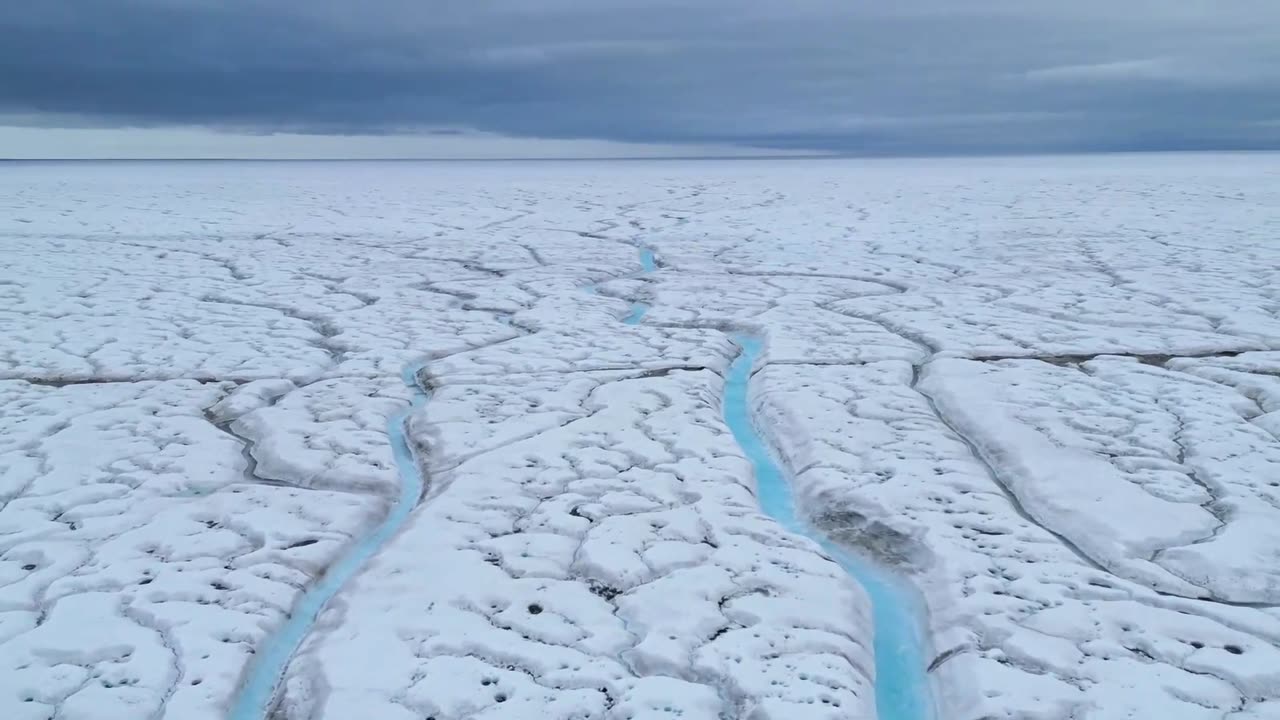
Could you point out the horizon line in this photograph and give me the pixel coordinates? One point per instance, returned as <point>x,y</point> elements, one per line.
<point>645,158</point>
<point>661,158</point>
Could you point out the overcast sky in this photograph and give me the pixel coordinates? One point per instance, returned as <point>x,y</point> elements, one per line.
<point>373,78</point>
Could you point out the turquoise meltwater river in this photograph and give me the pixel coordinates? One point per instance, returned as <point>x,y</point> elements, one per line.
<point>903,691</point>
<point>902,684</point>
<point>272,658</point>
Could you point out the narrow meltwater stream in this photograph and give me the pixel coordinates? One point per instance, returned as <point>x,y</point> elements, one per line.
<point>902,683</point>
<point>648,263</point>
<point>272,659</point>
<point>902,686</point>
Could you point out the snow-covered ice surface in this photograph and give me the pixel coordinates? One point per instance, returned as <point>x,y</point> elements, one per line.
<point>1046,392</point>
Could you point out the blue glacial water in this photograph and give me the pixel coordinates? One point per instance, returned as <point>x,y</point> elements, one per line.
<point>902,684</point>
<point>648,263</point>
<point>637,314</point>
<point>268,666</point>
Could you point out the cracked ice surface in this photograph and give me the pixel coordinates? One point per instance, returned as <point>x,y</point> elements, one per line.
<point>1155,474</point>
<point>140,566</point>
<point>200,361</point>
<point>611,555</point>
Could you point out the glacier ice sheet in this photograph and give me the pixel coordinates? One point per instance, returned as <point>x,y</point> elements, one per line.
<point>1043,390</point>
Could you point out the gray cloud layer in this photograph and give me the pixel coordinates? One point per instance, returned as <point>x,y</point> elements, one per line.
<point>914,76</point>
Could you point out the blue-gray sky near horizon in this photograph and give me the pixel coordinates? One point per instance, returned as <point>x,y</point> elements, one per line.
<point>903,77</point>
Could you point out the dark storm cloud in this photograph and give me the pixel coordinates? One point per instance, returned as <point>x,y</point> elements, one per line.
<point>912,76</point>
